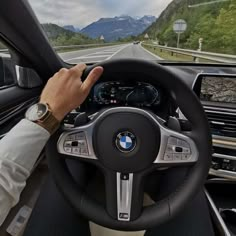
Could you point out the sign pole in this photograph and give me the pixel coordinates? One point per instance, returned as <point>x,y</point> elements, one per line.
<point>178,38</point>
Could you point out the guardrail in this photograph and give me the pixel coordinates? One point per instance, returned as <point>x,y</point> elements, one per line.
<point>85,46</point>
<point>81,46</point>
<point>216,57</point>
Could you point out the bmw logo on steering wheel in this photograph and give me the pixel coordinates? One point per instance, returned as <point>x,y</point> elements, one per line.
<point>126,142</point>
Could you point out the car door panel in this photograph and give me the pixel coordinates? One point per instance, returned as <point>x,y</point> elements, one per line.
<point>14,101</point>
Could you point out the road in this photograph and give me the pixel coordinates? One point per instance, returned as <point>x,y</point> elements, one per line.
<point>107,53</point>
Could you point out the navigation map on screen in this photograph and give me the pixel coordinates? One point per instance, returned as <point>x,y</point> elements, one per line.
<point>218,89</point>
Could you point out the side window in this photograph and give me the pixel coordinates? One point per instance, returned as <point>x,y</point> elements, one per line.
<point>7,70</point>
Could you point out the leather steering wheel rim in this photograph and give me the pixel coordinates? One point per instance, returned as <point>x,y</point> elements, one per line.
<point>167,208</point>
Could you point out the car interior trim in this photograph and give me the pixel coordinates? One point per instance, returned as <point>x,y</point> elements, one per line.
<point>223,110</point>
<point>17,110</point>
<point>223,156</point>
<point>124,195</point>
<point>221,222</point>
<point>220,112</point>
<point>223,173</point>
<point>224,143</point>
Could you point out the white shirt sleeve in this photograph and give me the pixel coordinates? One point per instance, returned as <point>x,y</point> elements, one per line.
<point>19,150</point>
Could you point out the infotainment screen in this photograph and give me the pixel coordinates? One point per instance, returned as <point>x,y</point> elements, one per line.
<point>218,89</point>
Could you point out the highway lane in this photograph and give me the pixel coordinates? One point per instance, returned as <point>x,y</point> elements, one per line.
<point>107,53</point>
<point>136,51</point>
<point>91,55</point>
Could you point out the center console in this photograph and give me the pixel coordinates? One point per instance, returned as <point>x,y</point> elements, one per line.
<point>217,94</point>
<point>222,203</point>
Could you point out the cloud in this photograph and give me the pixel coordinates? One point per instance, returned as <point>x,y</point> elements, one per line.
<point>83,12</point>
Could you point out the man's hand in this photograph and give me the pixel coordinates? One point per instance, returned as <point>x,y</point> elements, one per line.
<point>65,90</point>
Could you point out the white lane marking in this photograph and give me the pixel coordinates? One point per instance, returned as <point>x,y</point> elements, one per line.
<point>88,49</point>
<point>99,54</point>
<point>90,54</point>
<point>117,52</point>
<point>108,53</point>
<point>84,58</point>
<point>159,58</point>
<point>91,57</point>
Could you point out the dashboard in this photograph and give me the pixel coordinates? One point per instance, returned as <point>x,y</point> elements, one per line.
<point>136,94</point>
<point>217,93</point>
<point>144,94</point>
<point>214,85</point>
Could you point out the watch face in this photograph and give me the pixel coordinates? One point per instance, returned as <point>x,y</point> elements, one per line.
<point>36,112</point>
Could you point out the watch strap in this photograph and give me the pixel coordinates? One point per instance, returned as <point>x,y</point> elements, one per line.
<point>50,123</point>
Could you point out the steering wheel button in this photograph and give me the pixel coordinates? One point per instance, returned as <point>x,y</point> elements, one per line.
<point>76,150</point>
<point>179,142</point>
<point>168,157</point>
<point>67,149</point>
<point>169,149</point>
<point>178,149</point>
<point>70,137</point>
<point>74,144</point>
<point>172,141</point>
<point>185,157</point>
<point>82,143</point>
<point>185,144</point>
<point>67,144</point>
<point>177,157</point>
<point>80,136</point>
<point>187,150</point>
<point>84,151</point>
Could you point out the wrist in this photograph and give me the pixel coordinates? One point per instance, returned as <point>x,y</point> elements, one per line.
<point>42,115</point>
<point>57,112</point>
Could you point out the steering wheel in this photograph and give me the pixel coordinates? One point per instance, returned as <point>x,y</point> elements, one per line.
<point>128,143</point>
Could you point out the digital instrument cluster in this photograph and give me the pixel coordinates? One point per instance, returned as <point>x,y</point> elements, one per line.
<point>137,94</point>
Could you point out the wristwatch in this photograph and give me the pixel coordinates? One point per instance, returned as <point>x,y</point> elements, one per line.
<point>41,114</point>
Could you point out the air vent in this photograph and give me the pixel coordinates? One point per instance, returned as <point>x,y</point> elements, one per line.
<point>222,123</point>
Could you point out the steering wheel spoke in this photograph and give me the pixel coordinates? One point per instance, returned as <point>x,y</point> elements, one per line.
<point>124,193</point>
<point>77,143</point>
<point>176,149</point>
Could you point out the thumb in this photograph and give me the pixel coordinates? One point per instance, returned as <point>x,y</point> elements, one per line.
<point>92,78</point>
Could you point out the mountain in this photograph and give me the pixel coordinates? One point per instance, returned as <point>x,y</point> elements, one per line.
<point>215,23</point>
<point>72,28</point>
<point>118,27</point>
<point>54,31</point>
<point>58,36</point>
<point>148,20</point>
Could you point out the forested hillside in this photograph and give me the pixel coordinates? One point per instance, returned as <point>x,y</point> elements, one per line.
<point>215,23</point>
<point>59,36</point>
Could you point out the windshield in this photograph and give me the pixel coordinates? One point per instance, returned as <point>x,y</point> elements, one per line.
<point>180,30</point>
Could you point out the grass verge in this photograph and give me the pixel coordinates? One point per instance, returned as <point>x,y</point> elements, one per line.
<point>173,56</point>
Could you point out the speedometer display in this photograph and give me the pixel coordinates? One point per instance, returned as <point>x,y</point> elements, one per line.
<point>134,94</point>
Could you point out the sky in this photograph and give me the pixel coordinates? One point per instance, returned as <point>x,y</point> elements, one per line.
<point>81,13</point>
